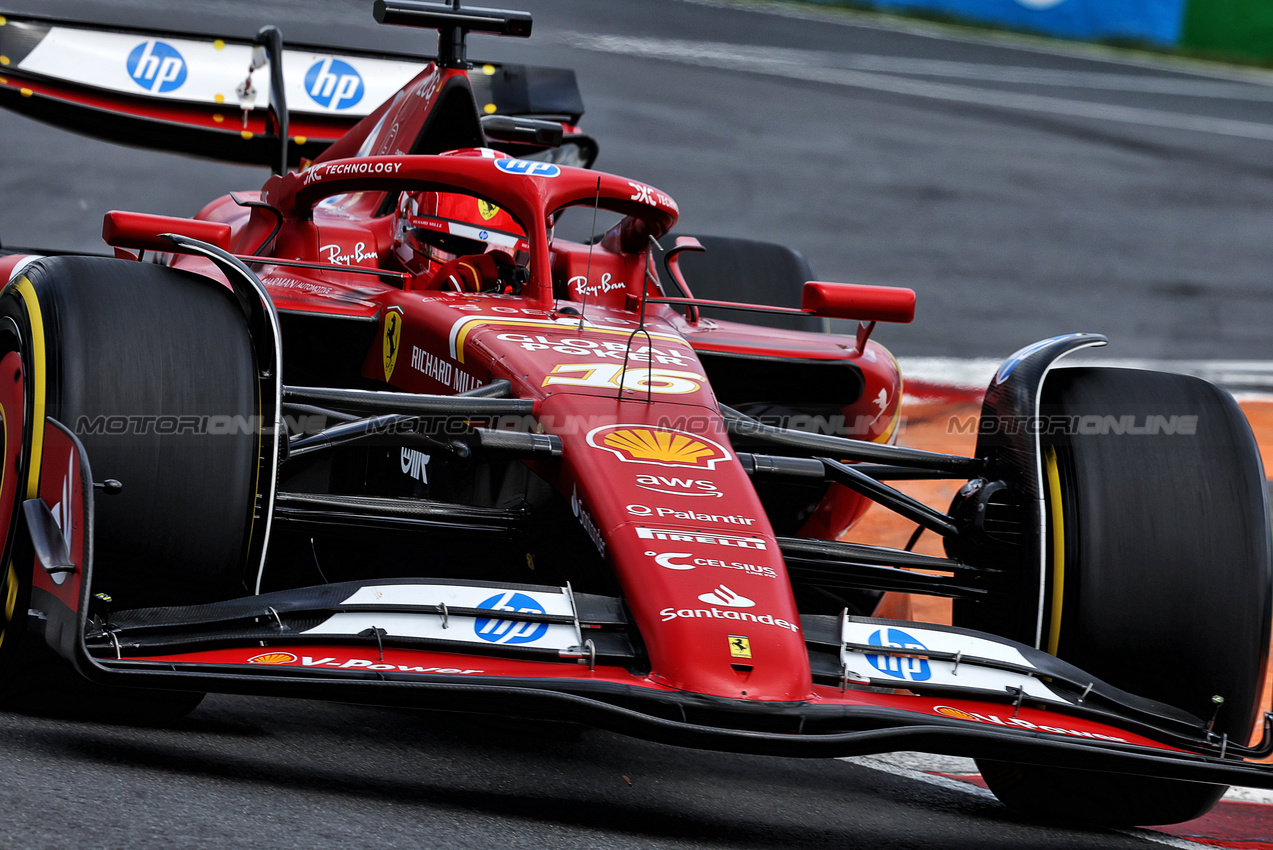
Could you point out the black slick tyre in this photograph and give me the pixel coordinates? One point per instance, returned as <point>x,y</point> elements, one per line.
<point>152,368</point>
<point>1159,579</point>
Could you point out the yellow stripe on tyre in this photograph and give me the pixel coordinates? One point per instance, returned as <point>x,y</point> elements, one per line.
<point>1058,549</point>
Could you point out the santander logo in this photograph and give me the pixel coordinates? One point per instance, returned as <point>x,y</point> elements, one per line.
<point>722,595</point>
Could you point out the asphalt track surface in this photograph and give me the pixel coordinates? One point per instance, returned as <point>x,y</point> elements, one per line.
<point>1022,191</point>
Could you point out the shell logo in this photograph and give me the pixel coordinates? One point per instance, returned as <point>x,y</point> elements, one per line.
<point>272,658</point>
<point>954,712</point>
<point>660,446</point>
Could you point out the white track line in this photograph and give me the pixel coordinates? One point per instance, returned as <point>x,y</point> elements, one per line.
<point>773,62</point>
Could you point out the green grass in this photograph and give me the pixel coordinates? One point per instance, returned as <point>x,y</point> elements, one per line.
<point>1125,45</point>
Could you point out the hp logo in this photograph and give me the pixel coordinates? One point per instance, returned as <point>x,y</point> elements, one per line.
<point>334,84</point>
<point>157,67</point>
<point>910,669</point>
<point>527,167</point>
<point>510,631</point>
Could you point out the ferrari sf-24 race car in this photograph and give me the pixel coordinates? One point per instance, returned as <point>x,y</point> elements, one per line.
<point>388,431</point>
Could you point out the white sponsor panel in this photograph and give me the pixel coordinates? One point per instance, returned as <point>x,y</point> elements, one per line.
<point>475,630</point>
<point>207,71</point>
<point>894,663</point>
<point>552,600</point>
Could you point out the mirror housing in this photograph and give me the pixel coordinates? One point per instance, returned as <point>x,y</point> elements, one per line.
<point>858,302</point>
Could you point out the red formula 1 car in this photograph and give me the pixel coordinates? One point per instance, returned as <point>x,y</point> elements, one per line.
<point>389,430</point>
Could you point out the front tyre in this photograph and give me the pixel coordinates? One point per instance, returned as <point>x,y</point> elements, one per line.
<point>153,370</point>
<point>1159,577</point>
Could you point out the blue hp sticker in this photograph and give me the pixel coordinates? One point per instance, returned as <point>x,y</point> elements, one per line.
<point>157,67</point>
<point>910,669</point>
<point>510,631</point>
<point>527,167</point>
<point>334,84</point>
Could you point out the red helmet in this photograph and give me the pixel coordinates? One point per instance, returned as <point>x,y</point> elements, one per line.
<point>433,228</point>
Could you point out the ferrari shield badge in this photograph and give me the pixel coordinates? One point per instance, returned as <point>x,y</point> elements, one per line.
<point>393,336</point>
<point>739,646</point>
<point>487,209</point>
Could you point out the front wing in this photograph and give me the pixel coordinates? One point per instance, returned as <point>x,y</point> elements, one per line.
<point>879,685</point>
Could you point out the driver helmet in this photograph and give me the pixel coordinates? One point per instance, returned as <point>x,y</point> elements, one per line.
<point>433,228</point>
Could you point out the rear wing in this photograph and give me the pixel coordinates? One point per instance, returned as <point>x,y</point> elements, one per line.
<point>199,94</point>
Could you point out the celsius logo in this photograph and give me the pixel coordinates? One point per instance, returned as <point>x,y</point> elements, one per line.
<point>510,631</point>
<point>156,67</point>
<point>908,668</point>
<point>665,560</point>
<point>527,167</point>
<point>334,84</point>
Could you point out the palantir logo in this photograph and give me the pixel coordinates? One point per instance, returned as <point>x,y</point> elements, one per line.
<point>899,667</point>
<point>157,67</point>
<point>510,631</point>
<point>334,84</point>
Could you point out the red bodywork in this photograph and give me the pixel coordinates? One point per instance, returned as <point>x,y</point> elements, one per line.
<point>630,405</point>
<point>617,370</point>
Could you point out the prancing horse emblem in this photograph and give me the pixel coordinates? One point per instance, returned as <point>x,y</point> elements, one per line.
<point>393,335</point>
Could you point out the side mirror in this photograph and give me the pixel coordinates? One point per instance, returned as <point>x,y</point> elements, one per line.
<point>858,302</point>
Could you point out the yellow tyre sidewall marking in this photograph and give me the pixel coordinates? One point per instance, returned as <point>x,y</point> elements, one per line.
<point>36,319</point>
<point>1058,549</point>
<point>36,322</point>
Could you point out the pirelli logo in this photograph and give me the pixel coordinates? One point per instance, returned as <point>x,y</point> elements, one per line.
<point>680,535</point>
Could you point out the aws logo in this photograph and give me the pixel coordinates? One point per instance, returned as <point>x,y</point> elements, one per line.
<point>157,67</point>
<point>334,84</point>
